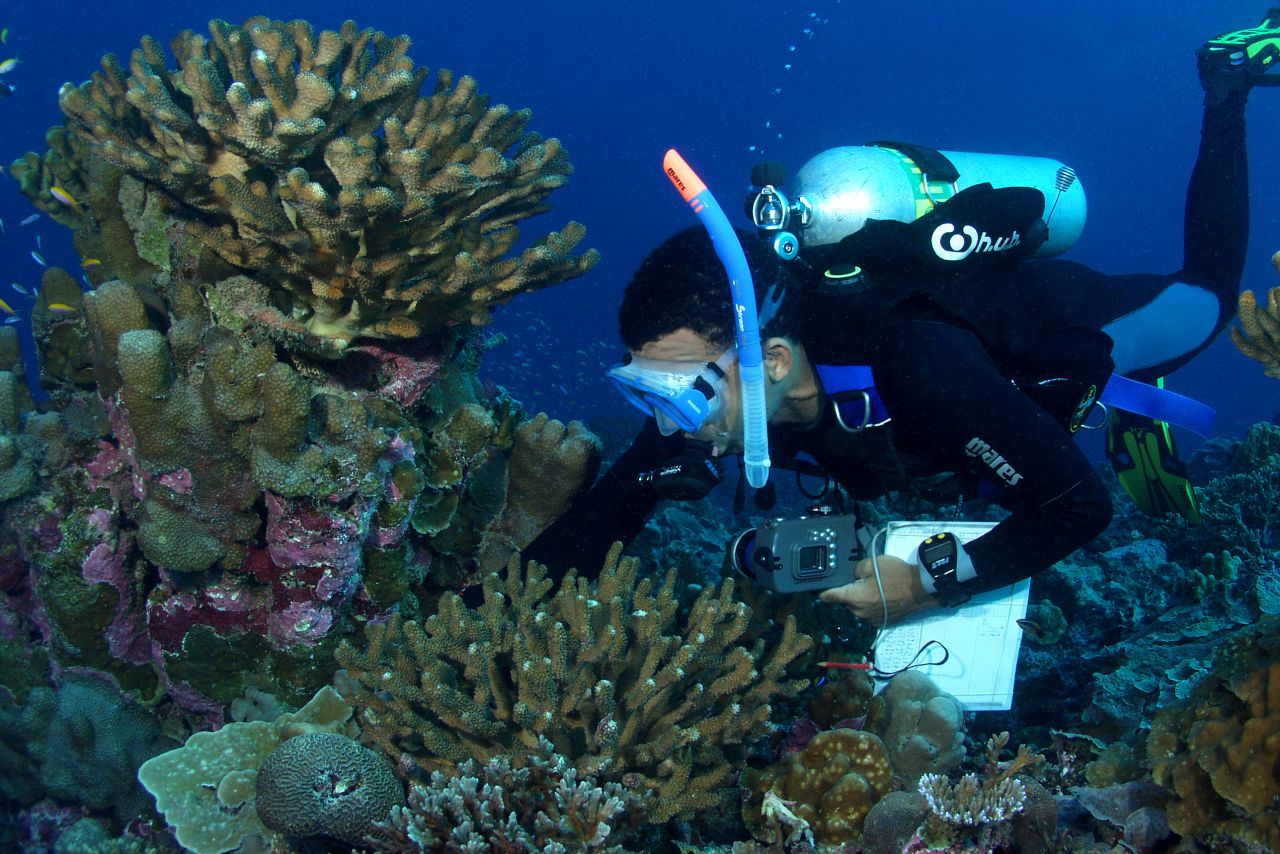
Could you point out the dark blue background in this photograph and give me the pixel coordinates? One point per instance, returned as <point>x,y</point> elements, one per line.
<point>1107,86</point>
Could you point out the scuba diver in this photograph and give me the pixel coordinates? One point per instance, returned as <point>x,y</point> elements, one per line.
<point>931,350</point>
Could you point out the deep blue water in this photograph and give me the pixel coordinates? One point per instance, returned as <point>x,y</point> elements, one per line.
<point>1107,86</point>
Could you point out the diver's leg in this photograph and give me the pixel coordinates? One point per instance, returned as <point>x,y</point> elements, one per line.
<point>1184,313</point>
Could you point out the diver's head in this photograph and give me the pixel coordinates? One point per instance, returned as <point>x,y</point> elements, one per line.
<point>676,320</point>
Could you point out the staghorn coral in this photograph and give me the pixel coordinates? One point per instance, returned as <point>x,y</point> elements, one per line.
<point>599,669</point>
<point>1216,752</point>
<point>309,159</point>
<point>543,806</point>
<point>1259,334</point>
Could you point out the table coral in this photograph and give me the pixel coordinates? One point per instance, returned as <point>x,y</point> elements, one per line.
<point>599,669</point>
<point>309,159</point>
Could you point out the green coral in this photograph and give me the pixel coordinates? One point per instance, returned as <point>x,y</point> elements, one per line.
<point>206,788</point>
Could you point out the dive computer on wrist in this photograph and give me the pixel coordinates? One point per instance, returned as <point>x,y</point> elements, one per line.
<point>939,558</point>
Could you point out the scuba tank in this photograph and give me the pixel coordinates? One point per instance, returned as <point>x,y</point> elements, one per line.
<point>838,191</point>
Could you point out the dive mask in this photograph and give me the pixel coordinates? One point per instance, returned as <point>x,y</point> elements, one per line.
<point>681,396</point>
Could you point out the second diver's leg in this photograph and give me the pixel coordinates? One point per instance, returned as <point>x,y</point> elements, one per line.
<point>1183,316</point>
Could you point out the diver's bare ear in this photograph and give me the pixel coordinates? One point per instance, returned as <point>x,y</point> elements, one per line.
<point>779,358</point>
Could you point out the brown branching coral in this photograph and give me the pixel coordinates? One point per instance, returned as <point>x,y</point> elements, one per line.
<point>1259,335</point>
<point>309,159</point>
<point>599,669</point>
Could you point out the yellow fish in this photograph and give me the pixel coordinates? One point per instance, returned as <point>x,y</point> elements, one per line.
<point>6,308</point>
<point>8,65</point>
<point>4,36</point>
<point>61,308</point>
<point>90,262</point>
<point>64,197</point>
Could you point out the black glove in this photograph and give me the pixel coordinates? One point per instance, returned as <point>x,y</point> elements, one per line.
<point>691,475</point>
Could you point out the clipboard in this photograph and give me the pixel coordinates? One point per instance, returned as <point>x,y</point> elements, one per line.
<point>982,636</point>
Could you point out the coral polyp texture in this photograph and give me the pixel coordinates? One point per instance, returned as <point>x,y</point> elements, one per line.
<point>1259,334</point>
<point>310,161</point>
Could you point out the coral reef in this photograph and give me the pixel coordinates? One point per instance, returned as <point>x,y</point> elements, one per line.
<point>325,784</point>
<point>543,806</point>
<point>265,426</point>
<point>309,159</point>
<point>922,727</point>
<point>599,669</point>
<point>81,743</point>
<point>1217,750</point>
<point>207,788</point>
<point>1259,334</point>
<point>831,785</point>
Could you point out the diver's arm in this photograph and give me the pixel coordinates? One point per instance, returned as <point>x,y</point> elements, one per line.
<point>950,402</point>
<point>614,509</point>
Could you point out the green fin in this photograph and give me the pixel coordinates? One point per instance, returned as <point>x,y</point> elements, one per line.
<point>1146,460</point>
<point>1257,48</point>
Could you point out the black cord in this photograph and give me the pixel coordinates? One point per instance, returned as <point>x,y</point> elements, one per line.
<point>889,674</point>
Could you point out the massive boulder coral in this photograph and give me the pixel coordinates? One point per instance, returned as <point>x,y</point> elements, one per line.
<point>1216,752</point>
<point>310,159</point>
<point>601,670</point>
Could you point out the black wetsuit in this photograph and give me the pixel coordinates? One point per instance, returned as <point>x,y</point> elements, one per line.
<point>946,382</point>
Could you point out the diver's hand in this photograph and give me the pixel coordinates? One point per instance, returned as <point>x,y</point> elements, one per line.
<point>903,591</point>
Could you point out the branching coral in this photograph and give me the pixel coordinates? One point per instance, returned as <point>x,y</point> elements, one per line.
<point>309,159</point>
<point>1259,335</point>
<point>599,669</point>
<point>543,806</point>
<point>971,803</point>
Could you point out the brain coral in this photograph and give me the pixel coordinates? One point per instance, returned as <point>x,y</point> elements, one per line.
<point>323,783</point>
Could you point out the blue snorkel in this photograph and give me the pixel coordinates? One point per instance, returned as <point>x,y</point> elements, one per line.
<point>746,323</point>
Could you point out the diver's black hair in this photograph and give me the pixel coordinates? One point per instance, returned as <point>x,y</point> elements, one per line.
<point>683,285</point>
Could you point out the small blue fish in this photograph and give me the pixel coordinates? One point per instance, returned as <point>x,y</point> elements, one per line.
<point>14,319</point>
<point>20,289</point>
<point>30,219</point>
<point>38,258</point>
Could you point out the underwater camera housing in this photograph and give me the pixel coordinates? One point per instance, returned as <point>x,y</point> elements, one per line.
<point>814,552</point>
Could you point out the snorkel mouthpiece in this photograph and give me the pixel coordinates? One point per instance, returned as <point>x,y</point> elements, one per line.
<point>746,324</point>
